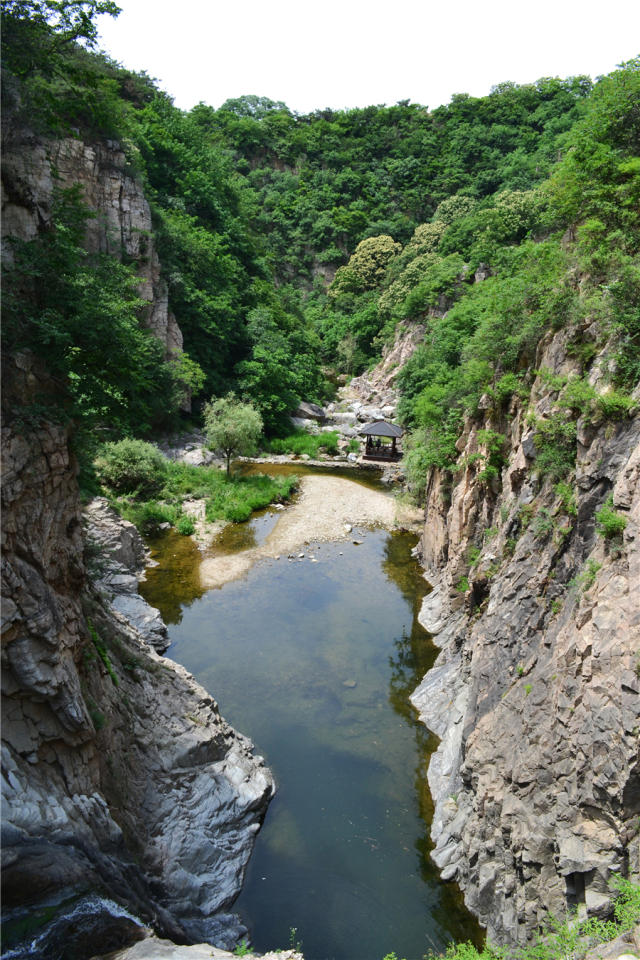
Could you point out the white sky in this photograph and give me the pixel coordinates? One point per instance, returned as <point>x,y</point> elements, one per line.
<point>348,53</point>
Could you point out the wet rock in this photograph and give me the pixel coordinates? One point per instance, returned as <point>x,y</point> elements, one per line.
<point>75,933</point>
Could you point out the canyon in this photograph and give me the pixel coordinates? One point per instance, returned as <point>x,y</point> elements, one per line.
<point>121,777</point>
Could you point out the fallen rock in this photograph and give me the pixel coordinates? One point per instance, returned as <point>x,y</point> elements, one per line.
<point>309,411</point>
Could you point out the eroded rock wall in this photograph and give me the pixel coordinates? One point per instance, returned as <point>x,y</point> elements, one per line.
<point>534,695</point>
<point>33,169</point>
<point>119,777</point>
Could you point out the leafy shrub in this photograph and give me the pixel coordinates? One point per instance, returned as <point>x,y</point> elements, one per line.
<point>129,466</point>
<point>494,459</point>
<point>66,305</point>
<point>185,526</point>
<point>543,524</point>
<point>102,651</point>
<point>567,498</point>
<point>473,555</point>
<point>615,405</point>
<point>587,577</point>
<point>453,208</point>
<point>559,940</point>
<point>367,265</point>
<point>609,522</point>
<point>556,441</point>
<point>507,385</point>
<point>627,905</point>
<point>425,450</point>
<point>578,396</point>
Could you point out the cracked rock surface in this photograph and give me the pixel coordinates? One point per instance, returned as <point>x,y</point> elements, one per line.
<point>536,781</point>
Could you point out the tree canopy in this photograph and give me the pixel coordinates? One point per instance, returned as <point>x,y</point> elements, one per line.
<point>232,426</point>
<point>294,243</point>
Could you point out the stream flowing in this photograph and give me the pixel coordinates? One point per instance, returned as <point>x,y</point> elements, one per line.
<point>314,658</point>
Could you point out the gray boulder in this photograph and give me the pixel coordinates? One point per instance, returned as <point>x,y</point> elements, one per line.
<point>309,411</point>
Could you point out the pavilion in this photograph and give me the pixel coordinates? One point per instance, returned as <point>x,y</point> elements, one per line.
<point>378,435</point>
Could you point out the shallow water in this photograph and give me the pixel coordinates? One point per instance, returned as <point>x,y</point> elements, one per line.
<point>315,662</point>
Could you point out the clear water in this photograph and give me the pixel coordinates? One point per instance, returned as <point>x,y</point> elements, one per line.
<point>315,662</point>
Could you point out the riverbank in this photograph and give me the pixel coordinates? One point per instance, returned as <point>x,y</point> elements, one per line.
<point>327,509</point>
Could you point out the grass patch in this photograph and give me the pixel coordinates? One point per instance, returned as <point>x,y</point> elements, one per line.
<point>237,498</point>
<point>185,526</point>
<point>300,442</point>
<point>227,498</point>
<point>147,515</point>
<point>609,522</point>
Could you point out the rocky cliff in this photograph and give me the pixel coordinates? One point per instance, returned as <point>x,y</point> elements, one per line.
<point>534,695</point>
<point>33,169</point>
<point>119,777</point>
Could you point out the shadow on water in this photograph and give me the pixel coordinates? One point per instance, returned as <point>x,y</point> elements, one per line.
<point>316,662</point>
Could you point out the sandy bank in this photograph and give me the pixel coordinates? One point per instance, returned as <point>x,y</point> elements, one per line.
<point>321,512</point>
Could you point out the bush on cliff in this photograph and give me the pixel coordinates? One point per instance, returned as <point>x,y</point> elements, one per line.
<point>571,939</point>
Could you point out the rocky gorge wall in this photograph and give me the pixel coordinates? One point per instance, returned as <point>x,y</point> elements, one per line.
<point>33,169</point>
<point>534,695</point>
<point>119,777</point>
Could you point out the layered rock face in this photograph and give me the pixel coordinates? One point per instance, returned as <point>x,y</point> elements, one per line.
<point>119,776</point>
<point>534,695</point>
<point>32,171</point>
<point>376,388</point>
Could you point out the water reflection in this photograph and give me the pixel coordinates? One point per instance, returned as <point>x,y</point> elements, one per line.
<point>303,659</point>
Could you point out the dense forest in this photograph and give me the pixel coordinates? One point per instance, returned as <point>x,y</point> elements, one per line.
<point>293,245</point>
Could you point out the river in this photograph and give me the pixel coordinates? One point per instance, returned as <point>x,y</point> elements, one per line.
<point>314,657</point>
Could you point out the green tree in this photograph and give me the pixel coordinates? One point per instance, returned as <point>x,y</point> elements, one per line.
<point>367,266</point>
<point>35,33</point>
<point>232,427</point>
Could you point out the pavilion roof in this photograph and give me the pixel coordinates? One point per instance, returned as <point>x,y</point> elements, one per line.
<point>380,428</point>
